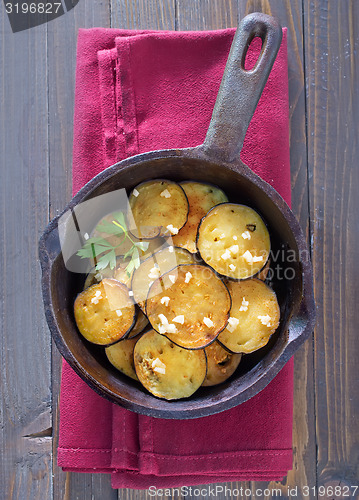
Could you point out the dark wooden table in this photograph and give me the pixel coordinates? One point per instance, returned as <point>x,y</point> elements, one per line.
<point>37,90</point>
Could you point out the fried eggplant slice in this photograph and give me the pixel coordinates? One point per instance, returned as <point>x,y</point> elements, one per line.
<point>120,355</point>
<point>254,316</point>
<point>166,370</point>
<point>153,267</point>
<point>221,364</point>
<point>159,208</point>
<point>190,305</point>
<point>234,241</point>
<point>201,198</point>
<point>140,325</point>
<point>105,312</point>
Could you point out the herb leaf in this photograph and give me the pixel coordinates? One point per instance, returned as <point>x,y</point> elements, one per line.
<point>104,253</point>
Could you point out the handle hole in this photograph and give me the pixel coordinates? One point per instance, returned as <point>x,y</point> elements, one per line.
<point>252,53</point>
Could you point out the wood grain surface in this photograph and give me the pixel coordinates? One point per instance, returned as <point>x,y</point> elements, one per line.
<point>37,91</point>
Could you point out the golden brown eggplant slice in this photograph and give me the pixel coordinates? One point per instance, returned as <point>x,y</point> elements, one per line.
<point>234,240</point>
<point>159,208</point>
<point>153,267</point>
<point>166,370</point>
<point>254,316</point>
<point>201,198</point>
<point>221,364</point>
<point>105,312</point>
<point>120,355</point>
<point>190,305</point>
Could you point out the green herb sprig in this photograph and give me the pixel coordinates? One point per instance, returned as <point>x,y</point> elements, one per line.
<point>104,253</point>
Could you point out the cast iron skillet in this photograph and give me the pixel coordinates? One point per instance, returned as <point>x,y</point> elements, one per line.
<point>216,161</point>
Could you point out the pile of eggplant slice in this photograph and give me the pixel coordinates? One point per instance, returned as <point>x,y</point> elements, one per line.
<point>195,301</point>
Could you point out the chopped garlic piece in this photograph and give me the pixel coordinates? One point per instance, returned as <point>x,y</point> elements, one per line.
<point>163,319</point>
<point>172,230</point>
<point>94,300</point>
<point>170,249</point>
<point>188,277</point>
<point>226,255</point>
<point>248,256</point>
<point>258,259</point>
<point>162,329</point>
<point>158,363</point>
<point>154,272</point>
<point>232,323</point>
<point>246,235</point>
<point>118,312</point>
<point>234,249</point>
<point>98,293</point>
<point>171,328</point>
<point>265,320</point>
<point>166,194</point>
<point>86,236</point>
<point>244,305</point>
<point>135,192</point>
<point>179,319</point>
<point>165,301</point>
<point>208,322</point>
<point>160,370</point>
<point>235,238</point>
<point>172,278</point>
<point>232,267</point>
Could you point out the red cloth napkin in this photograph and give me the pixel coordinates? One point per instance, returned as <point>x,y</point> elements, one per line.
<point>135,92</point>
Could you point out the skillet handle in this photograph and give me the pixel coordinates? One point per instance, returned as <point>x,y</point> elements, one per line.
<point>241,89</point>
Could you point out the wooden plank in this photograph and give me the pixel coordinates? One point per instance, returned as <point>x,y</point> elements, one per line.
<point>25,378</point>
<point>62,37</point>
<point>206,14</point>
<point>220,14</point>
<point>143,14</point>
<point>332,43</point>
<point>289,14</point>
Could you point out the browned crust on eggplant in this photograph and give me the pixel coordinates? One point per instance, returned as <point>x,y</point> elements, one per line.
<point>203,301</point>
